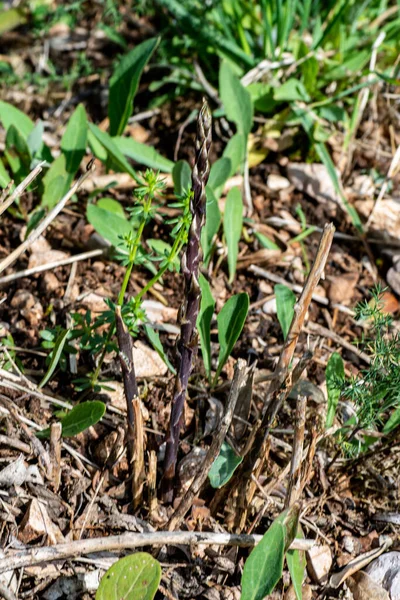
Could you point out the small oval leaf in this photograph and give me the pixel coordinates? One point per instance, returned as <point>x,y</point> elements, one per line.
<point>224,466</point>
<point>334,382</point>
<point>233,221</point>
<point>285,301</point>
<point>134,577</point>
<point>81,417</point>
<point>55,357</point>
<point>230,324</point>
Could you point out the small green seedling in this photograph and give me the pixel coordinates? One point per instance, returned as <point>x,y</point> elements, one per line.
<point>81,417</point>
<point>263,569</point>
<point>134,577</point>
<point>230,322</point>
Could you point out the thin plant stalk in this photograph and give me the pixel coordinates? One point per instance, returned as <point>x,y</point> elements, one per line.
<point>187,343</point>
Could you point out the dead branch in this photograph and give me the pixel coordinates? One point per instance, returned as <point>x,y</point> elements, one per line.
<point>34,556</point>
<point>293,491</point>
<point>135,433</point>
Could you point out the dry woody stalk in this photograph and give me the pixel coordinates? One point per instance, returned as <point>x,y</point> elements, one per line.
<point>187,343</point>
<point>135,432</point>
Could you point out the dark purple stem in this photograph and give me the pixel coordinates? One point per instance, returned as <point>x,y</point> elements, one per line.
<point>187,343</point>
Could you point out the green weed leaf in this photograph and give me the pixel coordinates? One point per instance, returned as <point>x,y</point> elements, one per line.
<point>118,160</point>
<point>55,182</point>
<point>4,176</point>
<point>134,577</point>
<point>220,173</point>
<point>265,241</point>
<point>285,301</point>
<point>9,115</point>
<point>263,569</point>
<point>143,154</point>
<point>124,84</point>
<point>155,341</point>
<point>334,382</point>
<point>230,324</point>
<point>81,417</point>
<point>204,319</point>
<point>296,561</point>
<point>55,357</point>
<point>182,177</point>
<point>224,466</point>
<point>236,100</point>
<point>73,143</point>
<point>233,222</point>
<point>213,222</point>
<point>109,224</point>
<point>392,422</point>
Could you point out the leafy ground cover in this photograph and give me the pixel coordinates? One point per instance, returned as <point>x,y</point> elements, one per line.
<point>199,232</point>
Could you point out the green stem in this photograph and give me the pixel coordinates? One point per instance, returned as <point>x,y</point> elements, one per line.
<point>176,248</point>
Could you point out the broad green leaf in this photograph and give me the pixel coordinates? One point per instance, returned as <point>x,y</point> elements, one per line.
<point>236,99</point>
<point>9,115</point>
<point>17,153</point>
<point>56,182</point>
<point>4,176</point>
<point>234,150</point>
<point>55,356</point>
<point>220,173</point>
<point>211,227</point>
<point>134,577</point>
<point>334,382</point>
<point>224,466</point>
<point>205,35</point>
<point>163,249</point>
<point>96,148</point>
<point>182,177</point>
<point>285,301</point>
<point>291,90</point>
<point>34,220</point>
<point>119,162</point>
<point>112,206</point>
<point>110,225</point>
<point>262,96</point>
<point>207,305</point>
<point>392,422</point>
<point>124,84</point>
<point>155,341</point>
<point>143,154</point>
<point>35,138</point>
<point>11,19</point>
<point>307,122</point>
<point>73,142</point>
<point>265,241</point>
<point>296,561</point>
<point>230,324</point>
<point>233,222</point>
<point>263,569</point>
<point>81,417</point>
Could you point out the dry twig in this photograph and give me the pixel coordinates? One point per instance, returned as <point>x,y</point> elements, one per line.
<point>135,433</point>
<point>34,556</point>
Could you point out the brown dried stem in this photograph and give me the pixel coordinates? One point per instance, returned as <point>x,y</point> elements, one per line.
<point>283,380</point>
<point>37,555</point>
<point>187,344</point>
<point>135,431</point>
<point>239,381</point>
<point>293,491</point>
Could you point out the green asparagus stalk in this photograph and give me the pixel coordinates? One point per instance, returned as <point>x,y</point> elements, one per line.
<point>191,258</point>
